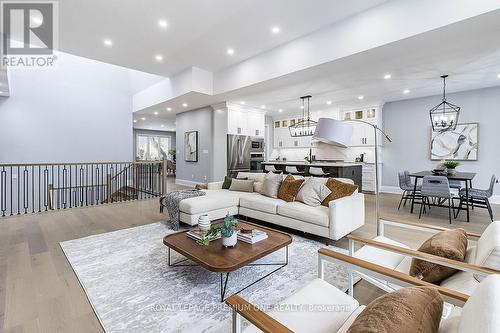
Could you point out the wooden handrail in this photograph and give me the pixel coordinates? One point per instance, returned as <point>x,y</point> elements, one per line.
<point>254,315</point>
<point>425,226</point>
<point>391,273</point>
<point>460,265</point>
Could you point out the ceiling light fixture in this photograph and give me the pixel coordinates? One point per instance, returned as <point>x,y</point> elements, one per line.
<point>444,116</point>
<point>169,109</point>
<point>406,91</point>
<point>360,97</point>
<point>275,30</point>
<point>135,120</point>
<point>242,102</point>
<point>158,57</point>
<point>230,51</point>
<point>387,76</point>
<point>163,24</point>
<point>108,42</point>
<point>262,106</point>
<point>143,118</point>
<point>280,110</point>
<point>162,125</point>
<point>328,102</point>
<point>305,126</point>
<point>156,113</point>
<point>184,105</point>
<point>498,76</point>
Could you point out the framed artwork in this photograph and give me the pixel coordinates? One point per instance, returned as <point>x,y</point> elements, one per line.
<point>460,144</point>
<point>191,146</point>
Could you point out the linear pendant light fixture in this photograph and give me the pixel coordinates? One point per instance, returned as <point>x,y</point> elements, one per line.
<point>305,126</point>
<point>444,116</point>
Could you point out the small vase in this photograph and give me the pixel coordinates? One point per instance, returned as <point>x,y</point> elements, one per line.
<point>204,222</point>
<point>452,172</point>
<point>230,241</point>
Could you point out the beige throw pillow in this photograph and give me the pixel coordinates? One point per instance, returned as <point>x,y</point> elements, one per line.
<point>313,192</point>
<point>271,185</point>
<point>241,185</point>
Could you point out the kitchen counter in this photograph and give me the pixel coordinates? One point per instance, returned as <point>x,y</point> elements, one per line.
<point>313,164</point>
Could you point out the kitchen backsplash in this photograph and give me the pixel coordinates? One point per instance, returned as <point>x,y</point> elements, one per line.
<point>325,152</point>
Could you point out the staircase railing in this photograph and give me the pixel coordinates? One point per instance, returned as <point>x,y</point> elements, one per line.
<point>39,187</point>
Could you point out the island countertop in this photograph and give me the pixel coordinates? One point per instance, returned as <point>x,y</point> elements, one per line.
<point>314,164</point>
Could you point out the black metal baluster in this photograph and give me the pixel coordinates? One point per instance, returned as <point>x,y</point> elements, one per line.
<point>18,189</point>
<point>39,189</point>
<point>33,189</point>
<point>25,189</point>
<point>52,183</point>
<point>81,185</point>
<point>11,190</point>
<point>45,187</point>
<point>65,186</point>
<point>3,191</point>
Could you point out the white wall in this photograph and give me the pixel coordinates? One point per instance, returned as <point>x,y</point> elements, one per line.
<point>408,124</point>
<point>81,110</point>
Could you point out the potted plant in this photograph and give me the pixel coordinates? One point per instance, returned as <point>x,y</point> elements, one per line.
<point>450,166</point>
<point>172,152</point>
<point>226,229</point>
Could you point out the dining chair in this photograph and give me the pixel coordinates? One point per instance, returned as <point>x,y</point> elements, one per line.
<point>318,172</point>
<point>407,186</point>
<point>437,187</point>
<point>479,197</point>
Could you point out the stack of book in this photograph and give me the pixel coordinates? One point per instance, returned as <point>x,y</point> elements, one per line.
<point>253,237</point>
<point>198,234</point>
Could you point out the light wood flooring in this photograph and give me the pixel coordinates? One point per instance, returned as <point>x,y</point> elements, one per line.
<point>39,291</point>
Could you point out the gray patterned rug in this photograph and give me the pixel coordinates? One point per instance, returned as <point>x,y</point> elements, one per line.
<point>132,289</point>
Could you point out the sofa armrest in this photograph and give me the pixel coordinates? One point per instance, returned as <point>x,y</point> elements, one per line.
<point>258,318</point>
<point>346,215</point>
<point>215,185</point>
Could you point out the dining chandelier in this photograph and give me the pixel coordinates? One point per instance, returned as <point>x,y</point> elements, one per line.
<point>444,116</point>
<point>305,126</point>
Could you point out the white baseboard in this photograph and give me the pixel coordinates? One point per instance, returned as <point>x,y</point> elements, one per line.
<point>183,182</point>
<point>390,189</point>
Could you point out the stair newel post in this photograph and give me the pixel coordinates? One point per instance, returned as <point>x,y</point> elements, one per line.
<point>108,188</point>
<point>164,174</point>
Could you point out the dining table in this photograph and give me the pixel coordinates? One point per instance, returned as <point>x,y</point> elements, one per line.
<point>465,177</point>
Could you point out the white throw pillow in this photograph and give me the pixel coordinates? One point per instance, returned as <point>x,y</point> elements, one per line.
<point>488,249</point>
<point>313,192</point>
<point>271,185</point>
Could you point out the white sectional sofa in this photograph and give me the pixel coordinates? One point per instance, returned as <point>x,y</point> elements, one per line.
<point>334,222</point>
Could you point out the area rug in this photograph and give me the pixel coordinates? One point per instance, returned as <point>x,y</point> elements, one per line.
<point>132,289</point>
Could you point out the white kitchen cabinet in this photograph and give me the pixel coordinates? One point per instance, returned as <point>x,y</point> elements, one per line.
<point>246,122</point>
<point>256,124</point>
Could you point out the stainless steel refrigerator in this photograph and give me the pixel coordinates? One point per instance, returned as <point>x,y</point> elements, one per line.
<point>238,154</point>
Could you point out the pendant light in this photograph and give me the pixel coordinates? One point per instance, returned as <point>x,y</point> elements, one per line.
<point>444,116</point>
<point>305,126</point>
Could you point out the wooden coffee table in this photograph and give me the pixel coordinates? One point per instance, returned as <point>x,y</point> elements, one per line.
<point>217,258</point>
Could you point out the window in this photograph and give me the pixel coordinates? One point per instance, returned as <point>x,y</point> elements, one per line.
<point>152,147</point>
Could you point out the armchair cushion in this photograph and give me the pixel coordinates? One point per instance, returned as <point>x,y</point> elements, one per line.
<point>488,248</point>
<point>415,309</point>
<point>451,244</point>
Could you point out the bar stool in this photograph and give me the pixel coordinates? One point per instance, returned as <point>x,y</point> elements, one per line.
<point>271,168</point>
<point>293,170</point>
<point>318,172</point>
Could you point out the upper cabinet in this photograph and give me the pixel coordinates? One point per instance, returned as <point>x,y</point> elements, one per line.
<point>362,134</point>
<point>246,121</point>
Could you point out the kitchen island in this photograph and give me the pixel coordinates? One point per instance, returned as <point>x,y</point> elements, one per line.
<point>351,170</point>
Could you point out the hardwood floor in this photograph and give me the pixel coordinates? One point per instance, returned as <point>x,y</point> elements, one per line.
<point>40,293</point>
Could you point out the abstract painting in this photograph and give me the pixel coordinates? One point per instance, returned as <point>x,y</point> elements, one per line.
<point>191,146</point>
<point>460,144</point>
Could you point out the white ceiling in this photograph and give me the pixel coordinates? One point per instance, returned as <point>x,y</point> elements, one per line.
<point>198,33</point>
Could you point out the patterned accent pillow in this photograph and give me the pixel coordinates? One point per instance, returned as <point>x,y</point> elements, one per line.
<point>339,190</point>
<point>289,188</point>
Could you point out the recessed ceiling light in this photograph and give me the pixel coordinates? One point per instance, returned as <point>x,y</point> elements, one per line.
<point>108,42</point>
<point>1,92</point>
<point>275,30</point>
<point>263,106</point>
<point>184,105</point>
<point>156,113</point>
<point>280,110</point>
<point>406,91</point>
<point>169,109</point>
<point>360,97</point>
<point>158,57</point>
<point>163,24</point>
<point>242,102</point>
<point>162,125</point>
<point>143,118</point>
<point>135,120</point>
<point>387,76</point>
<point>230,51</point>
<point>498,76</point>
<point>328,102</point>
<point>37,20</point>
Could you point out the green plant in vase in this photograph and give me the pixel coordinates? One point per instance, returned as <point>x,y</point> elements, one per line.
<point>451,166</point>
<point>227,229</point>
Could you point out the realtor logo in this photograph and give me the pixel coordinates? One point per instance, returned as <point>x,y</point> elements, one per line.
<point>28,33</point>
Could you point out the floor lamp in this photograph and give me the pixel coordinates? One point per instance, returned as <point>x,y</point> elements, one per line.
<point>339,133</point>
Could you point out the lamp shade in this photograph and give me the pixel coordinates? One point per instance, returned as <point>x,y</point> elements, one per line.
<point>334,132</point>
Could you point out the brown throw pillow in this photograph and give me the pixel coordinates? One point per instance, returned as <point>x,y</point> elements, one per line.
<point>289,188</point>
<point>339,190</point>
<point>406,310</point>
<point>451,244</point>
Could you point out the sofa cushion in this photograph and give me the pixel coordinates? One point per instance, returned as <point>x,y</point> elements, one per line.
<point>289,188</point>
<point>261,203</point>
<point>463,282</point>
<point>316,215</point>
<point>334,309</point>
<point>271,185</point>
<point>488,248</point>
<point>313,192</point>
<point>339,190</point>
<point>480,312</point>
<point>241,185</point>
<point>228,180</point>
<point>215,199</point>
<point>416,309</point>
<point>451,244</point>
<point>257,177</point>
